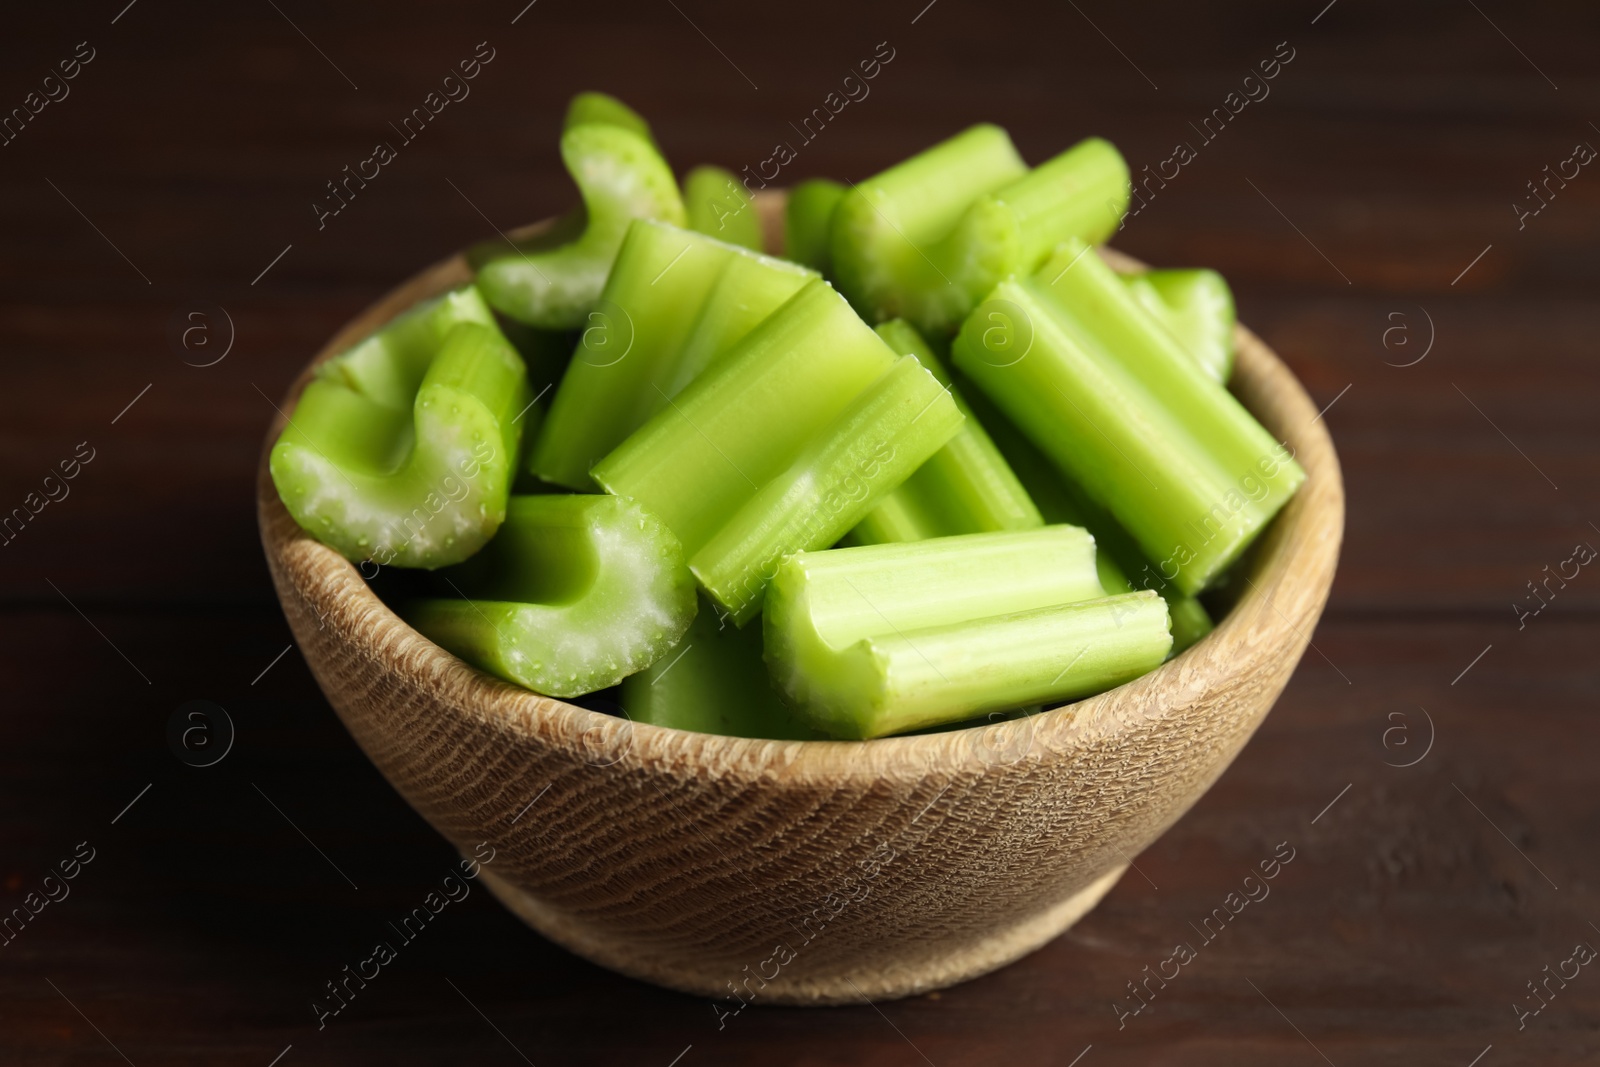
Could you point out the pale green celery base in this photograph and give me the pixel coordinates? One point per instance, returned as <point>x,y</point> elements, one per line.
<point>639,604</point>
<point>713,681</point>
<point>621,176</point>
<point>444,504</point>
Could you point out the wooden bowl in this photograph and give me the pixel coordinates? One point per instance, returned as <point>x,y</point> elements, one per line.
<point>808,872</point>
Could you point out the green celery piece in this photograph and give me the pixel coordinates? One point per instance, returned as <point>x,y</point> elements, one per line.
<point>882,639</point>
<point>407,481</point>
<point>782,444</point>
<point>591,107</point>
<point>675,302</point>
<point>966,487</point>
<point>926,239</point>
<point>1197,306</point>
<point>718,205</point>
<point>575,594</point>
<point>714,682</point>
<point>890,429</point>
<point>1118,558</point>
<point>808,222</point>
<point>1121,408</point>
<point>621,176</point>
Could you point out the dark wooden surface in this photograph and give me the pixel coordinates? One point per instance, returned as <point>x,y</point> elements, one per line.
<point>187,157</point>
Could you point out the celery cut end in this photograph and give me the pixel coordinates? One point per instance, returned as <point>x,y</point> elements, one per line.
<point>620,176</point>
<point>575,594</point>
<point>888,638</point>
<point>424,486</point>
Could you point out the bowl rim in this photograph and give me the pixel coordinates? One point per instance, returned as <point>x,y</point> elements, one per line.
<point>1301,542</point>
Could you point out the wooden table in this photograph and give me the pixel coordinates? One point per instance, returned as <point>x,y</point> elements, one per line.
<point>1362,208</point>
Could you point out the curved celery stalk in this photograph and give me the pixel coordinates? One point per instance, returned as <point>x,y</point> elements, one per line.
<point>592,107</point>
<point>1197,306</point>
<point>675,302</point>
<point>808,222</point>
<point>575,594</point>
<point>621,176</point>
<point>888,638</point>
<point>1119,406</point>
<point>966,487</point>
<point>720,206</point>
<point>1118,559</point>
<point>402,449</point>
<point>713,682</point>
<point>926,239</point>
<point>782,444</point>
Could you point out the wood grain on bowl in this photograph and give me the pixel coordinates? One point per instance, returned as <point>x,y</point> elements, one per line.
<point>809,872</point>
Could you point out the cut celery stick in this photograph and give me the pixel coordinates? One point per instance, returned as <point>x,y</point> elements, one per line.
<point>713,682</point>
<point>808,222</point>
<point>675,302</point>
<point>588,108</point>
<point>1197,306</point>
<point>407,481</point>
<point>790,417</point>
<point>890,429</point>
<point>742,423</point>
<point>575,594</point>
<point>926,239</point>
<point>621,176</point>
<point>888,638</point>
<point>719,206</point>
<point>966,487</point>
<point>1121,408</point>
<point>890,244</point>
<point>1118,558</point>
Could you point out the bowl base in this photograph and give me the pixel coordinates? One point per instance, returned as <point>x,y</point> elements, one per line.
<point>885,979</point>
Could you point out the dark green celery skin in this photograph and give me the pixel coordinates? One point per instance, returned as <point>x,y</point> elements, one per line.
<point>714,682</point>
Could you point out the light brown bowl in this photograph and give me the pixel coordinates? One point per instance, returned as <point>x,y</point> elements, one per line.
<point>808,872</point>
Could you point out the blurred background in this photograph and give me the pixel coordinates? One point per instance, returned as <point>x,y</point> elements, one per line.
<point>1408,214</point>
